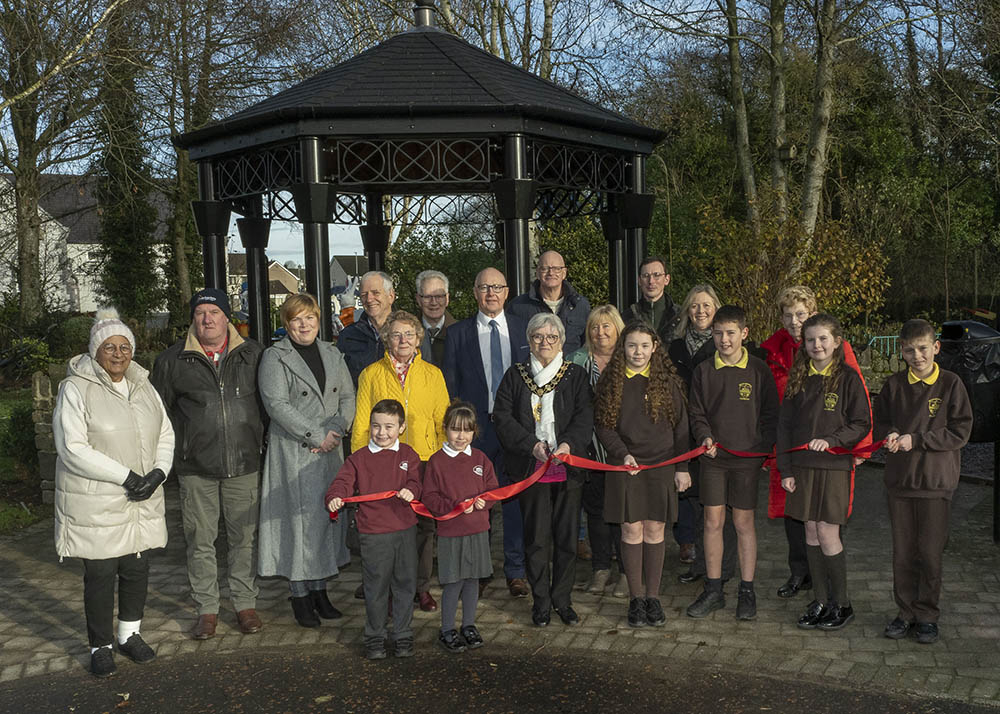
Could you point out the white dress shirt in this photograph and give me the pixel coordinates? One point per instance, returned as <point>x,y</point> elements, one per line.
<point>483,328</point>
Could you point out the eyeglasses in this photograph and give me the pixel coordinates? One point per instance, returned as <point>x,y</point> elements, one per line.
<point>434,298</point>
<point>110,349</point>
<point>547,339</point>
<point>651,276</point>
<point>800,316</point>
<point>398,336</point>
<point>490,288</point>
<point>552,269</point>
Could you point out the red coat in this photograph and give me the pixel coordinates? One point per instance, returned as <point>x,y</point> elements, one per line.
<point>781,349</point>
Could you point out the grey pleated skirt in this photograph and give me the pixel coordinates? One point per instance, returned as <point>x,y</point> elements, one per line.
<point>464,557</point>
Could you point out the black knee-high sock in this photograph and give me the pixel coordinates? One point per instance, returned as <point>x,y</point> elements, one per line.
<point>449,604</point>
<point>817,569</point>
<point>836,566</point>
<point>652,567</point>
<point>470,600</point>
<point>632,563</point>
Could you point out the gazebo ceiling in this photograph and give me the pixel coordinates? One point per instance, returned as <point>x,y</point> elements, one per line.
<point>423,82</point>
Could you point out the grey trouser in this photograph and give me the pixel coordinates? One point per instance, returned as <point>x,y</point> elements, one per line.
<point>389,564</point>
<point>201,500</point>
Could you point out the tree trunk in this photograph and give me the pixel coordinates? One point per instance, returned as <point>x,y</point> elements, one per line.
<point>179,230</point>
<point>819,126</point>
<point>779,136</point>
<point>545,51</point>
<point>29,238</point>
<point>742,132</point>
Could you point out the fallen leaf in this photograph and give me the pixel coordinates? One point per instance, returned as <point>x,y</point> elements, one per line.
<point>323,699</point>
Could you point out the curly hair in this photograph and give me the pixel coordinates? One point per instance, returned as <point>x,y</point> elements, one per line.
<point>800,367</point>
<point>659,394</point>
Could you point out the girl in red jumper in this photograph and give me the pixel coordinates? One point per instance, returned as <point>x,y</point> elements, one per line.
<point>454,474</point>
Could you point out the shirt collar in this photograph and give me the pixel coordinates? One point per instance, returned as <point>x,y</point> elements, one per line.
<point>741,363</point>
<point>913,379</point>
<point>375,448</point>
<point>629,372</point>
<point>446,448</point>
<point>439,323</point>
<point>825,372</point>
<point>484,319</point>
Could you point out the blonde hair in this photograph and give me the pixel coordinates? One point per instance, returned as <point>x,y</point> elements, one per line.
<point>602,313</point>
<point>296,304</point>
<point>797,293</point>
<point>682,325</point>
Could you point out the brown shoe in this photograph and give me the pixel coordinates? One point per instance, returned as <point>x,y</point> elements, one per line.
<point>583,550</point>
<point>205,629</point>
<point>686,553</point>
<point>427,602</point>
<point>518,587</point>
<point>249,621</point>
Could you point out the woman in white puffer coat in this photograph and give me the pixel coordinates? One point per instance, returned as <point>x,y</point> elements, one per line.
<point>115,446</point>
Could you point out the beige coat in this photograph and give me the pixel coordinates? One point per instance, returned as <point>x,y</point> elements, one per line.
<point>101,435</point>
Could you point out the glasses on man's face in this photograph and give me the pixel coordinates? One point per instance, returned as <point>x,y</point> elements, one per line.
<point>401,336</point>
<point>437,297</point>
<point>110,349</point>
<point>547,339</point>
<point>491,288</point>
<point>651,276</point>
<point>552,269</point>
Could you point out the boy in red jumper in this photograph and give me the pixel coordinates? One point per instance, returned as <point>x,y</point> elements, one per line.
<point>387,528</point>
<point>926,418</point>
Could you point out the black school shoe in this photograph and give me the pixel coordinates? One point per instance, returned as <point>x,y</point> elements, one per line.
<point>540,617</point>
<point>637,612</point>
<point>688,577</point>
<point>708,602</point>
<point>794,584</point>
<point>451,642</point>
<point>815,611</point>
<point>568,615</point>
<point>897,629</point>
<point>654,612</point>
<point>102,662</point>
<point>136,649</point>
<point>471,636</point>
<point>404,647</point>
<point>836,618</point>
<point>927,633</point>
<point>746,604</point>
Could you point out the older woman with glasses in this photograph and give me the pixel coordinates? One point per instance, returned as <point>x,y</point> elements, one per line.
<point>404,375</point>
<point>543,407</point>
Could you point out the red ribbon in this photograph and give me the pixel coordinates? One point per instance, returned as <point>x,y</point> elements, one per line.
<point>505,492</point>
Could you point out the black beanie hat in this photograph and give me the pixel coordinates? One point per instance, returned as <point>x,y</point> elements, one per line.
<point>211,296</point>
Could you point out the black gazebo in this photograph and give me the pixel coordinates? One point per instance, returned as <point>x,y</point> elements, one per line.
<point>424,115</point>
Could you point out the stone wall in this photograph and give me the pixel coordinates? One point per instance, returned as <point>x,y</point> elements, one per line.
<point>43,402</point>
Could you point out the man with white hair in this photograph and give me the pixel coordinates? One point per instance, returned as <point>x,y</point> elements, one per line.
<point>360,342</point>
<point>433,298</point>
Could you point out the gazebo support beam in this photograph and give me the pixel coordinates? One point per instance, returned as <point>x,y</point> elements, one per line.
<point>311,206</point>
<point>212,219</point>
<point>635,235</point>
<point>254,233</point>
<point>515,202</point>
<point>617,279</point>
<point>375,235</point>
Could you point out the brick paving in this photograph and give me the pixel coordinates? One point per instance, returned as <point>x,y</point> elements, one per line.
<point>42,628</point>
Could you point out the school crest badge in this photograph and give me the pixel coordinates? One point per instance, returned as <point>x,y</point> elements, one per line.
<point>933,405</point>
<point>830,401</point>
<point>746,389</point>
<point>477,470</point>
<point>404,465</point>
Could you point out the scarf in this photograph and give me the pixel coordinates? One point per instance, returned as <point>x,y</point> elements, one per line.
<point>402,368</point>
<point>694,339</point>
<point>543,384</point>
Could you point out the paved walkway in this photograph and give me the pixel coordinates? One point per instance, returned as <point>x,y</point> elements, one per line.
<point>42,627</point>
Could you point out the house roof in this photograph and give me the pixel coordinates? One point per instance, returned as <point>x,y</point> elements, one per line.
<point>348,263</point>
<point>276,287</point>
<point>424,72</point>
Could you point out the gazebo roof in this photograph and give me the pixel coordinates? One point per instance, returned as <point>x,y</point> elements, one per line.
<point>424,73</point>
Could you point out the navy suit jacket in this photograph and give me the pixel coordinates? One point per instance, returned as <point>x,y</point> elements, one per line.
<point>466,378</point>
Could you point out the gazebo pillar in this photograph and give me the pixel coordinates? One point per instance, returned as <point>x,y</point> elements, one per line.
<point>635,228</point>
<point>375,235</point>
<point>254,232</point>
<point>311,206</point>
<point>515,196</point>
<point>611,224</point>
<point>212,219</point>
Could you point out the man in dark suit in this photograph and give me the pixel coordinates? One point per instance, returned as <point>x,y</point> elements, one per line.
<point>432,299</point>
<point>477,353</point>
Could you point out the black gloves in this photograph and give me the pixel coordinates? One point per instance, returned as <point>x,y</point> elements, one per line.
<point>139,488</point>
<point>133,482</point>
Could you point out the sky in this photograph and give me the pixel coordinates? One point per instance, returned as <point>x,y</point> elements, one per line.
<point>285,242</point>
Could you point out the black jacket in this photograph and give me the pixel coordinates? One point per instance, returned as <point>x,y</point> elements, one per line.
<point>361,345</point>
<point>515,423</point>
<point>573,312</point>
<point>667,323</point>
<point>217,417</point>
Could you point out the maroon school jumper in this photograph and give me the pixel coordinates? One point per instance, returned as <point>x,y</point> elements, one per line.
<point>386,470</point>
<point>448,480</point>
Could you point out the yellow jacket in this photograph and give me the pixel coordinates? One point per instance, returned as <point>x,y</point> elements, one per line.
<point>425,399</point>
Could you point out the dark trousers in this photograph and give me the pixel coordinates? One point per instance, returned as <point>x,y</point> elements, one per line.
<point>795,533</point>
<point>389,565</point>
<point>426,528</point>
<point>605,538</point>
<point>730,554</point>
<point>551,514</point>
<point>919,535</point>
<point>688,517</point>
<point>132,572</point>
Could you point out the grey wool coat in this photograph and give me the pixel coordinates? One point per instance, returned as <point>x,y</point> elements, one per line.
<point>297,540</point>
